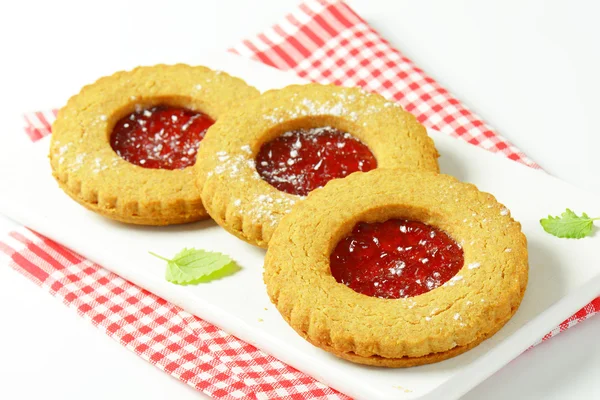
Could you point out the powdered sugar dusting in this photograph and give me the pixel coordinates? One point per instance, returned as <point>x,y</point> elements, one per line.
<point>160,137</point>
<point>474,265</point>
<point>453,281</point>
<point>301,160</point>
<point>266,208</point>
<point>62,150</point>
<point>98,165</point>
<point>246,149</point>
<point>78,162</point>
<point>232,165</point>
<point>273,118</point>
<point>397,268</point>
<point>337,107</point>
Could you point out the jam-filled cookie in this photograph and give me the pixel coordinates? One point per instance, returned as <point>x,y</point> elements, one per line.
<point>124,146</point>
<point>397,269</point>
<point>256,163</point>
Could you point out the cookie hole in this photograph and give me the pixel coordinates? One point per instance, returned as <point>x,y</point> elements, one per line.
<point>161,133</point>
<point>395,258</point>
<point>305,154</point>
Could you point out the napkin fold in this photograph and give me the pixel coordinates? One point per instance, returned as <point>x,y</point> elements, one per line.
<point>323,41</point>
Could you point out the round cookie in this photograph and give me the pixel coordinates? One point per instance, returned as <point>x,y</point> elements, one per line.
<point>244,203</point>
<point>90,171</point>
<point>433,326</point>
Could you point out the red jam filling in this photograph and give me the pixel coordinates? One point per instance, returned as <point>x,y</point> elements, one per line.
<point>305,159</point>
<point>396,258</point>
<point>161,137</point>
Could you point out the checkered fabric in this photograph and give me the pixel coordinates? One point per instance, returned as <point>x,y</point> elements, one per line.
<point>327,42</point>
<point>188,348</point>
<point>322,41</point>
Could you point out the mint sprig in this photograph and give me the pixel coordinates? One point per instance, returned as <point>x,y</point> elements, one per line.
<point>192,266</point>
<point>569,225</point>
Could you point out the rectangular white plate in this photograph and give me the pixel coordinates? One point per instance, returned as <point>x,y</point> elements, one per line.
<point>564,274</point>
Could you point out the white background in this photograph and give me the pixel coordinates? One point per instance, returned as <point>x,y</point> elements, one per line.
<point>529,68</point>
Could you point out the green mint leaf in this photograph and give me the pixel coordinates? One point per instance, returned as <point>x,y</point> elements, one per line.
<point>568,225</point>
<point>191,266</point>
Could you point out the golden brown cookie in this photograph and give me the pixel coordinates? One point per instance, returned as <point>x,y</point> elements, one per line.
<point>256,163</point>
<point>167,109</point>
<point>358,223</point>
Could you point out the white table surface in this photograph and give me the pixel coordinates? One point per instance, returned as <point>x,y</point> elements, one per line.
<point>529,68</point>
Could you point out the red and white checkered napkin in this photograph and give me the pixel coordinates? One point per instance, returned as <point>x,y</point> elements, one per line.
<point>324,42</point>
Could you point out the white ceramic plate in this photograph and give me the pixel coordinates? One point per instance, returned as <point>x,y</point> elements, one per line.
<point>564,274</point>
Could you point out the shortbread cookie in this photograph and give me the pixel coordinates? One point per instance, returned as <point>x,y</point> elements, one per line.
<point>397,269</point>
<point>256,163</point>
<point>124,146</point>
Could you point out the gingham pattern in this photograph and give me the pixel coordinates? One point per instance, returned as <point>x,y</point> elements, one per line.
<point>38,124</point>
<point>322,41</point>
<point>327,42</point>
<point>188,348</point>
<point>586,312</point>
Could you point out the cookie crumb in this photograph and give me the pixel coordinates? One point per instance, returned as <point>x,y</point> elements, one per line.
<point>405,390</point>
